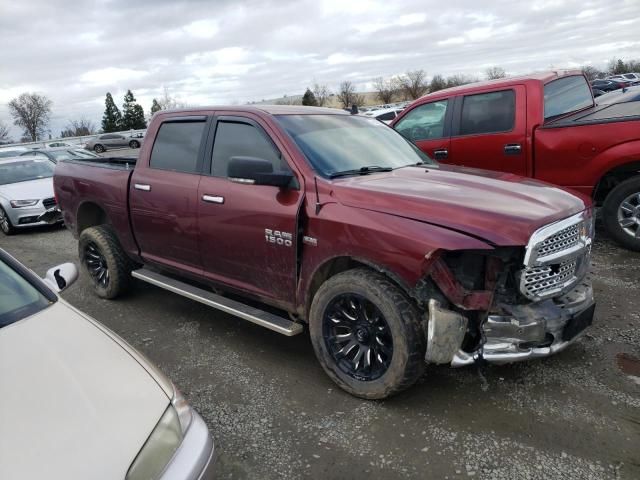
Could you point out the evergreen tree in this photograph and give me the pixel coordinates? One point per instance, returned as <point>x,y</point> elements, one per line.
<point>155,106</point>
<point>112,118</point>
<point>309,99</point>
<point>132,113</point>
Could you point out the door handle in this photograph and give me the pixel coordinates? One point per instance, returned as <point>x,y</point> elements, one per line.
<point>512,149</point>
<point>212,199</point>
<point>142,186</point>
<point>441,154</point>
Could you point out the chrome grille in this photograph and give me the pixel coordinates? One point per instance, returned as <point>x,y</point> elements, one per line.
<point>49,202</point>
<point>563,240</point>
<point>557,257</point>
<point>548,279</point>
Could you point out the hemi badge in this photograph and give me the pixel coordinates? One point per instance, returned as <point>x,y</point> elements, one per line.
<point>310,241</point>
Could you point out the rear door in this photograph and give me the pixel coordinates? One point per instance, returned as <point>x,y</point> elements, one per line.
<point>428,126</point>
<point>164,195</point>
<point>248,232</point>
<point>489,131</point>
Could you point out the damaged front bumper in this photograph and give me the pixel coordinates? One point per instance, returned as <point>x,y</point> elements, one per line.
<point>519,332</point>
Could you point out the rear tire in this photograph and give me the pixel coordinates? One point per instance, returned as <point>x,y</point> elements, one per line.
<point>621,213</point>
<point>98,148</point>
<point>366,334</point>
<point>5,223</point>
<point>134,144</point>
<point>105,262</point>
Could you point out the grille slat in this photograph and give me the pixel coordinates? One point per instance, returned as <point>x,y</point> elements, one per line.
<point>560,241</point>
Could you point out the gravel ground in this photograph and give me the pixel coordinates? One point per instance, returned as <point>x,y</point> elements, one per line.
<point>274,414</point>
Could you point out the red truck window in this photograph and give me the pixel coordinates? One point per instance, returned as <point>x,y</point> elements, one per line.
<point>176,147</point>
<point>565,95</point>
<point>425,122</point>
<point>244,140</point>
<point>488,112</point>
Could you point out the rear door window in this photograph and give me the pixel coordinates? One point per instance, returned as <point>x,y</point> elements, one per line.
<point>491,112</point>
<point>177,146</point>
<point>566,95</point>
<point>424,122</point>
<point>237,139</point>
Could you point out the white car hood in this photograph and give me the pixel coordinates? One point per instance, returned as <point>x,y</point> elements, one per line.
<point>74,404</point>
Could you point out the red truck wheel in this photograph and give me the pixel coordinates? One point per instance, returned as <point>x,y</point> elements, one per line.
<point>366,334</point>
<point>621,213</point>
<point>104,261</point>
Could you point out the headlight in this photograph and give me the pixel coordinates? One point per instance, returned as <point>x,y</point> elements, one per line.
<point>163,441</point>
<point>23,203</point>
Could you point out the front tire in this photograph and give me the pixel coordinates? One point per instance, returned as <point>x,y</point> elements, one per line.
<point>5,223</point>
<point>98,148</point>
<point>104,261</point>
<point>134,144</point>
<point>621,213</point>
<point>366,334</point>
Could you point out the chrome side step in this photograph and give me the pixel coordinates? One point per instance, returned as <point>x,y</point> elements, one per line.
<point>254,315</point>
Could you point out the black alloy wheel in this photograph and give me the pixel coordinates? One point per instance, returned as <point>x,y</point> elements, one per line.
<point>357,337</point>
<point>96,265</point>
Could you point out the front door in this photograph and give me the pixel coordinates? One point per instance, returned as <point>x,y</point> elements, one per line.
<point>164,195</point>
<point>248,233</point>
<point>427,126</point>
<point>489,131</point>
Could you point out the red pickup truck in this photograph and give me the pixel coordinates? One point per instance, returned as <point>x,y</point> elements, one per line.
<point>286,216</point>
<point>545,126</point>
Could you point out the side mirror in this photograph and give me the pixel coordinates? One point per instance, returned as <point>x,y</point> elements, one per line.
<point>61,277</point>
<point>257,171</point>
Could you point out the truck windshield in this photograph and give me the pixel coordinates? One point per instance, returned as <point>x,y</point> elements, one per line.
<point>566,95</point>
<point>340,144</point>
<point>18,298</point>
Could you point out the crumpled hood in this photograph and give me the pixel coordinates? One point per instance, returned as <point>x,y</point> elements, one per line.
<point>74,402</point>
<point>501,208</point>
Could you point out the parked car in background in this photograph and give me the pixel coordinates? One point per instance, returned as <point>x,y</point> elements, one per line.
<point>544,126</point>
<point>631,94</point>
<point>60,154</point>
<point>26,192</point>
<point>338,222</point>
<point>609,85</point>
<point>634,78</point>
<point>108,141</point>
<point>12,151</point>
<point>60,144</point>
<point>385,115</point>
<point>77,401</point>
<point>597,93</point>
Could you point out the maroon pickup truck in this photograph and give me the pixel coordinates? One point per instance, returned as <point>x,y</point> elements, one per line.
<point>545,126</point>
<point>286,216</point>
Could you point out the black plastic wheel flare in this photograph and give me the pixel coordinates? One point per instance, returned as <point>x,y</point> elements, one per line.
<point>357,336</point>
<point>96,264</point>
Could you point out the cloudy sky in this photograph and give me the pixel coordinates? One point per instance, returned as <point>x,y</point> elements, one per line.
<point>224,51</point>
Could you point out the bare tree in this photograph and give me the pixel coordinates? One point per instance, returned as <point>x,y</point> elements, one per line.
<point>168,102</point>
<point>437,83</point>
<point>347,95</point>
<point>321,92</point>
<point>30,111</point>
<point>591,72</point>
<point>386,89</point>
<point>4,133</point>
<point>493,73</point>
<point>413,84</point>
<point>78,128</point>
<point>459,79</point>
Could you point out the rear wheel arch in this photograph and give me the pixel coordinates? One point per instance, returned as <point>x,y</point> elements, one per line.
<point>90,214</point>
<point>613,177</point>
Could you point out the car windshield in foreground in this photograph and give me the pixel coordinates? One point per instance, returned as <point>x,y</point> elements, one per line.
<point>341,145</point>
<point>18,298</point>
<point>566,95</point>
<point>25,170</point>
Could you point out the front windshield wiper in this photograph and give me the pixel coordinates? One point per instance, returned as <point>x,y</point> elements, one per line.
<point>360,171</point>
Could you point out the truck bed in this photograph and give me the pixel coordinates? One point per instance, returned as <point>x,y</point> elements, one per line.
<point>615,112</point>
<point>119,163</point>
